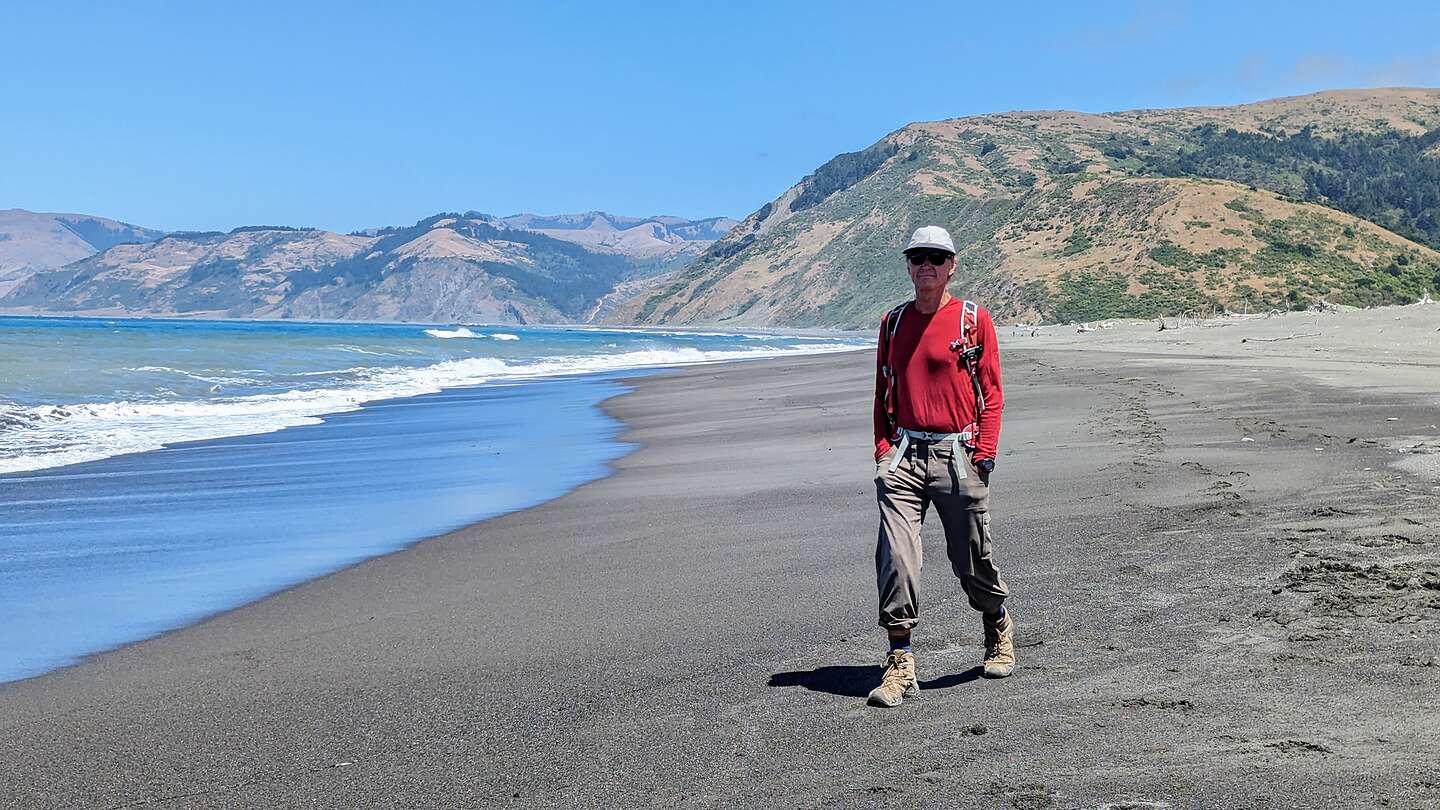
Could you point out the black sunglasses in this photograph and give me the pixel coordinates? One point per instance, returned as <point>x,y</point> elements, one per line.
<point>935,257</point>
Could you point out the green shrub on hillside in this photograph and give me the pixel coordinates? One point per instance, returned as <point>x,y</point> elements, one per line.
<point>1095,295</point>
<point>1387,177</point>
<point>1089,296</point>
<point>1077,242</point>
<point>1172,255</point>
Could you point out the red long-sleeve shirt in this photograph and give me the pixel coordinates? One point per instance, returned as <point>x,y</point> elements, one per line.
<point>933,389</point>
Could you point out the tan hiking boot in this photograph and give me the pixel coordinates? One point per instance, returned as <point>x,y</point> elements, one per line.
<point>898,682</point>
<point>999,646</point>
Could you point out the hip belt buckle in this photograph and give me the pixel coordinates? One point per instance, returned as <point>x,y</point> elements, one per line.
<point>907,434</point>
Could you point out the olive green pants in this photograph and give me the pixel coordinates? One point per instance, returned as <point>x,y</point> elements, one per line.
<point>931,473</point>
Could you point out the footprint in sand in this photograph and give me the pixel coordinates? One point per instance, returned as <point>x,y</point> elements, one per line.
<point>1298,747</point>
<point>1158,703</point>
<point>1386,540</point>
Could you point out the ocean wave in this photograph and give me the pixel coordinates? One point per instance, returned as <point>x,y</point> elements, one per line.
<point>44,436</point>
<point>647,330</point>
<point>462,332</point>
<point>217,379</point>
<point>358,350</point>
<point>332,372</point>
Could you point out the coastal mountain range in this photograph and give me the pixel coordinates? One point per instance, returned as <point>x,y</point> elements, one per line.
<point>635,236</point>
<point>1066,216</point>
<point>449,267</point>
<point>31,241</point>
<point>1058,216</point>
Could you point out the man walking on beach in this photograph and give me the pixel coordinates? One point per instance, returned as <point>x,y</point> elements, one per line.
<point>937,425</point>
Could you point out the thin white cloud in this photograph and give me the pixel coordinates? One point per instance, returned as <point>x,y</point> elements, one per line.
<point>1319,67</point>
<point>1147,23</point>
<point>1259,73</point>
<point>1423,69</point>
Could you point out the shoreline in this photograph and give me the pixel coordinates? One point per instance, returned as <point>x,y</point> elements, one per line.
<point>704,614</point>
<point>160,626</point>
<point>285,464</point>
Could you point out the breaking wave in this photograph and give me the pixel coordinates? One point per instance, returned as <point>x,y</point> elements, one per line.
<point>465,332</point>
<point>34,437</point>
<point>462,332</point>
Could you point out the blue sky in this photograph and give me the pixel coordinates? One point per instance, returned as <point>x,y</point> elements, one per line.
<point>343,116</point>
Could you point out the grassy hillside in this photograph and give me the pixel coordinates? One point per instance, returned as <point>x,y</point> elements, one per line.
<point>31,241</point>
<point>1072,216</point>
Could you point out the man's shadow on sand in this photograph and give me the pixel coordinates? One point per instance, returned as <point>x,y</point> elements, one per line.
<point>857,681</point>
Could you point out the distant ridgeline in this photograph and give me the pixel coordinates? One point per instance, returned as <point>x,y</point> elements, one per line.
<point>450,267</point>
<point>31,241</point>
<point>1067,216</point>
<point>537,271</point>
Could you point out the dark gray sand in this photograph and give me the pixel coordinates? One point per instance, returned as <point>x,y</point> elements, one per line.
<point>1203,621</point>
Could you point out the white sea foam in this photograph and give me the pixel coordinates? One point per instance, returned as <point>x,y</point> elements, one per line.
<point>333,372</point>
<point>461,332</point>
<point>464,332</point>
<point>649,330</point>
<point>43,436</point>
<point>356,349</point>
<point>218,379</point>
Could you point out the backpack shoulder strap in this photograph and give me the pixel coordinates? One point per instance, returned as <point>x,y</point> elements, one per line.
<point>891,325</point>
<point>969,315</point>
<point>970,350</point>
<point>892,320</point>
<point>887,339</point>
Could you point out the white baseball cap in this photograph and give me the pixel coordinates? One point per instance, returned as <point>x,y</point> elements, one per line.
<point>931,236</point>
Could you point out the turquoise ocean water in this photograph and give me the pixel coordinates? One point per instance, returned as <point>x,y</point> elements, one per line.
<point>153,472</point>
